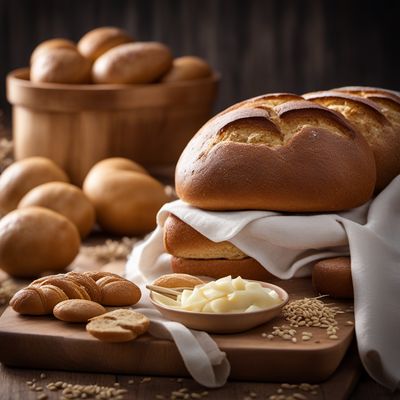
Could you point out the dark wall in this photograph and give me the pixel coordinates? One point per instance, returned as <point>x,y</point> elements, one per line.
<point>258,45</point>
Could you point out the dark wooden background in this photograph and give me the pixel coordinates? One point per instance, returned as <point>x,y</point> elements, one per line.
<point>258,45</point>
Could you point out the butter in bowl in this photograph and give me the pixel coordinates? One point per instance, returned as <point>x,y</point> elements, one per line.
<point>223,306</point>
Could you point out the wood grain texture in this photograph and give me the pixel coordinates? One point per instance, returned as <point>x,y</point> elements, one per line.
<point>258,46</point>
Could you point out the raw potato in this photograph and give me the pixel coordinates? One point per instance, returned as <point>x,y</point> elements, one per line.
<point>126,200</point>
<point>65,199</point>
<point>187,68</point>
<point>60,65</point>
<point>118,326</point>
<point>140,62</point>
<point>22,176</point>
<point>34,240</point>
<point>52,44</point>
<point>78,310</point>
<point>97,41</point>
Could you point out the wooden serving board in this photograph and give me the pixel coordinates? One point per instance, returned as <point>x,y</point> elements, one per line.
<point>46,343</point>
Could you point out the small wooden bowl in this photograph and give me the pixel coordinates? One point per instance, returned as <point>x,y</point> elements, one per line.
<point>224,322</point>
<point>79,125</point>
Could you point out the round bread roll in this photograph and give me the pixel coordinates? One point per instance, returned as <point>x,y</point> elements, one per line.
<point>34,240</point>
<point>97,41</point>
<point>177,280</point>
<point>52,44</point>
<point>187,68</point>
<point>77,310</point>
<point>60,65</point>
<point>126,200</point>
<point>333,276</point>
<point>138,62</point>
<point>22,176</point>
<point>65,199</point>
<point>271,153</point>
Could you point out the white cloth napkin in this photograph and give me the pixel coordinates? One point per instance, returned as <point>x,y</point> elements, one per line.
<point>286,244</point>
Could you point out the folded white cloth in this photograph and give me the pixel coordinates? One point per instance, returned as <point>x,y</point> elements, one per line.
<point>286,244</point>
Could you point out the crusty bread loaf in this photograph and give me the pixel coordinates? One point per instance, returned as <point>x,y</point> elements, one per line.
<point>66,199</point>
<point>181,240</point>
<point>273,154</point>
<point>333,276</point>
<point>105,288</point>
<point>368,119</point>
<point>98,41</point>
<point>247,268</point>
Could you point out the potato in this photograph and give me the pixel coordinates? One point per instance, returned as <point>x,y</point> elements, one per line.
<point>34,240</point>
<point>22,176</point>
<point>52,44</point>
<point>65,199</point>
<point>140,62</point>
<point>187,68</point>
<point>60,65</point>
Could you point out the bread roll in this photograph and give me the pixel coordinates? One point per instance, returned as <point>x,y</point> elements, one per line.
<point>367,117</point>
<point>34,240</point>
<point>177,280</point>
<point>295,156</point>
<point>132,63</point>
<point>333,276</point>
<point>126,200</point>
<point>22,176</point>
<point>97,41</point>
<point>187,68</point>
<point>77,310</point>
<point>52,44</point>
<point>60,65</point>
<point>65,199</point>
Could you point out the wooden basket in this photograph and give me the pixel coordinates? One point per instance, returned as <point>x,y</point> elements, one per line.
<point>78,125</point>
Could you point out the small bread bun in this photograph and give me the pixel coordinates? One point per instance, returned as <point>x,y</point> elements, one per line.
<point>52,44</point>
<point>126,200</point>
<point>60,65</point>
<point>141,62</point>
<point>34,240</point>
<point>177,280</point>
<point>333,276</point>
<point>77,310</point>
<point>187,68</point>
<point>293,156</point>
<point>22,176</point>
<point>247,268</point>
<point>97,41</point>
<point>65,199</point>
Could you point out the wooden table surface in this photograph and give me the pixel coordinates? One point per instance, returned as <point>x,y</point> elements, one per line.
<point>13,384</point>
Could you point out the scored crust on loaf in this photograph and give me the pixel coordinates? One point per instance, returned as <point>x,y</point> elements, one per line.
<point>295,156</point>
<point>118,326</point>
<point>181,240</point>
<point>367,117</point>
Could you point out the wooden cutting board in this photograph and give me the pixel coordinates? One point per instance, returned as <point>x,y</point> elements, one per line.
<point>46,343</point>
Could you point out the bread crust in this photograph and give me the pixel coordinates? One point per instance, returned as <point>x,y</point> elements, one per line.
<point>333,276</point>
<point>77,310</point>
<point>304,158</point>
<point>370,121</point>
<point>181,240</point>
<point>247,268</point>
